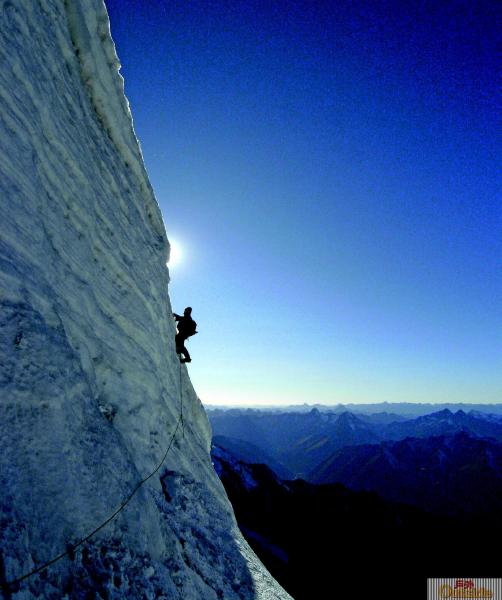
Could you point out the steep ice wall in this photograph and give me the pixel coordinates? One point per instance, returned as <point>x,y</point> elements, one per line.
<point>90,385</point>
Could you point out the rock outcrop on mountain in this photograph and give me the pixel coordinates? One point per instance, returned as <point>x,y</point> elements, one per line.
<point>91,389</point>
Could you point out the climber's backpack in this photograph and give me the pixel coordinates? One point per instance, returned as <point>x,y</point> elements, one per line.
<point>191,327</point>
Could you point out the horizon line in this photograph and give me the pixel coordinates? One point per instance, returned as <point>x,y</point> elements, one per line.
<point>302,404</point>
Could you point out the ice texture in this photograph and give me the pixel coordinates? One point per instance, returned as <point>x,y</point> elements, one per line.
<point>90,384</point>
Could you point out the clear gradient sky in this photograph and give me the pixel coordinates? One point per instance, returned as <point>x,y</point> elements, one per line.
<point>330,170</point>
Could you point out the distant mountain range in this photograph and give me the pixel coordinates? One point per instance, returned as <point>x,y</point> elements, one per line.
<point>249,453</point>
<point>315,539</point>
<point>404,409</point>
<point>297,443</point>
<point>400,495</point>
<point>326,434</point>
<point>444,422</point>
<point>449,474</point>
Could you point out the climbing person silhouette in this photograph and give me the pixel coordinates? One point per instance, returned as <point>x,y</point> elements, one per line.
<point>186,328</point>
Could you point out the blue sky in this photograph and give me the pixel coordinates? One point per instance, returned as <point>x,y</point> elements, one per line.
<point>330,172</point>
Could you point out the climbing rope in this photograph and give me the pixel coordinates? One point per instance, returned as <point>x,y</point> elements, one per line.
<point>13,585</point>
<point>181,405</point>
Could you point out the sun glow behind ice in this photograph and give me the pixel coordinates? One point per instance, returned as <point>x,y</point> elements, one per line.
<point>176,254</point>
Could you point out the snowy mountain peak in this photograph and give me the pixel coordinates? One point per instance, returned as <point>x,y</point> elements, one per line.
<point>442,414</point>
<point>91,385</point>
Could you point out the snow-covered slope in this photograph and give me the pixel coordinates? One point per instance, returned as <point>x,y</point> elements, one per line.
<point>90,385</point>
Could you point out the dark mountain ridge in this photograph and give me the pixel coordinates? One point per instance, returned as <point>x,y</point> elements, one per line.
<point>457,474</point>
<point>443,422</point>
<point>314,538</point>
